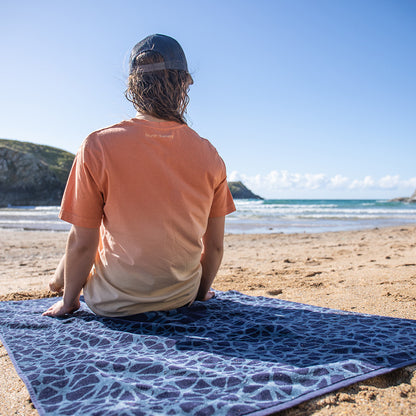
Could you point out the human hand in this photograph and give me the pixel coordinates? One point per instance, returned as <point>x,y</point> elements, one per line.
<point>60,309</point>
<point>55,286</point>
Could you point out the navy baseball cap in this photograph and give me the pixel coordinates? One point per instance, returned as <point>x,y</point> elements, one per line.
<point>170,50</point>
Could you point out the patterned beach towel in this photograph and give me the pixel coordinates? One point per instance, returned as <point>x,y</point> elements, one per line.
<point>232,355</point>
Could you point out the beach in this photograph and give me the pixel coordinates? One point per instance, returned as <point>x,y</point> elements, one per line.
<point>369,271</point>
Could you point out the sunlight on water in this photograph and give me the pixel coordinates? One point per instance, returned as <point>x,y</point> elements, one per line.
<point>253,216</point>
<point>32,218</point>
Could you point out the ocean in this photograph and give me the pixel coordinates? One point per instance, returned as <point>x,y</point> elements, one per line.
<point>253,216</point>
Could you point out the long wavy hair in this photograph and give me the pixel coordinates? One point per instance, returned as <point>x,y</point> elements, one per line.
<point>162,94</point>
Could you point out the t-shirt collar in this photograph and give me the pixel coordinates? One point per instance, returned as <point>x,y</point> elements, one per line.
<point>147,117</point>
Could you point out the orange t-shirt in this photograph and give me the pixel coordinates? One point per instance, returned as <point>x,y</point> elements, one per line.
<point>150,186</point>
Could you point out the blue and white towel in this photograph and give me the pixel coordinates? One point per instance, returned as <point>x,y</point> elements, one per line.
<point>233,355</point>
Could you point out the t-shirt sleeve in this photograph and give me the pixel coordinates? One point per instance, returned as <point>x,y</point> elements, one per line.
<point>83,201</point>
<point>222,203</point>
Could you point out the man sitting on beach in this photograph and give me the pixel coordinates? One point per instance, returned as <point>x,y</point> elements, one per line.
<point>146,198</point>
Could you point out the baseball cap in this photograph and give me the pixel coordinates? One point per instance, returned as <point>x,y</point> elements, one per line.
<point>170,50</point>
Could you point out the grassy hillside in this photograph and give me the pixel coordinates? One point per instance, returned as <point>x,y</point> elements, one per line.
<point>59,161</point>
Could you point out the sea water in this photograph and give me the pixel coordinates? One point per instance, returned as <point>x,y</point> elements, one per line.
<point>32,218</point>
<point>311,216</point>
<point>259,216</point>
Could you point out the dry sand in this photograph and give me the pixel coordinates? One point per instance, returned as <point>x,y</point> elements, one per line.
<point>371,271</point>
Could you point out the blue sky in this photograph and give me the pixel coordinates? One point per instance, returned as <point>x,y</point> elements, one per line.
<point>302,98</point>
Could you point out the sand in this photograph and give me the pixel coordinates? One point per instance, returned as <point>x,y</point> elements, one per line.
<point>370,271</point>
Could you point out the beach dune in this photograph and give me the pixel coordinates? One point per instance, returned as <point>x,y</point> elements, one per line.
<point>371,271</point>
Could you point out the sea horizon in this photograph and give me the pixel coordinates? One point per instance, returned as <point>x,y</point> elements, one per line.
<point>258,216</point>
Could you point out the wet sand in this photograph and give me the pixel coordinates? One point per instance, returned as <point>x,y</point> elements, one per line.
<point>370,271</point>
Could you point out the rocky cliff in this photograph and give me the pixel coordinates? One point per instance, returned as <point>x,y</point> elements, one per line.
<point>239,191</point>
<point>32,174</point>
<point>411,199</point>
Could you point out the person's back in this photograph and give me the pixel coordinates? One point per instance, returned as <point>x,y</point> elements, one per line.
<point>152,185</point>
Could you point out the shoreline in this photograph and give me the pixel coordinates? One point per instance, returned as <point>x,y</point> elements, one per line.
<point>241,232</point>
<point>369,271</point>
<point>271,233</point>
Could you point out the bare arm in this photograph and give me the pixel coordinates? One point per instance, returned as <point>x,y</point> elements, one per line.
<point>212,255</point>
<point>79,257</point>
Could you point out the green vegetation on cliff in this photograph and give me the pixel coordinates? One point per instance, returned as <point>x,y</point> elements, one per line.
<point>32,174</point>
<point>58,161</point>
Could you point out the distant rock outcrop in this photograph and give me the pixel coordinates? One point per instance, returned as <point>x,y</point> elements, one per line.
<point>411,199</point>
<point>240,191</point>
<point>32,174</point>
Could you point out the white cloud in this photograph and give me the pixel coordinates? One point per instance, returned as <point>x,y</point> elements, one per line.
<point>367,182</point>
<point>338,182</point>
<point>315,181</point>
<point>277,183</point>
<point>389,182</point>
